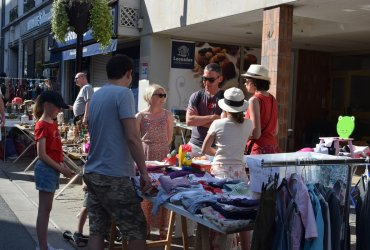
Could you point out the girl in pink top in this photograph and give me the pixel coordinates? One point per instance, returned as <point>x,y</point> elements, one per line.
<point>262,111</point>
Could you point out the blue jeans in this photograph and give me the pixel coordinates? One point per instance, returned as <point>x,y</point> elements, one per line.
<point>46,177</point>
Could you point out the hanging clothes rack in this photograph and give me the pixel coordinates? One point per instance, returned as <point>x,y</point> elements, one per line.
<point>302,162</point>
<point>301,159</point>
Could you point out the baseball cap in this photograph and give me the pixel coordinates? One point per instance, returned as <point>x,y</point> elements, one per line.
<point>54,98</point>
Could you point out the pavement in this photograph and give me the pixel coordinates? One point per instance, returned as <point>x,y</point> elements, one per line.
<point>17,189</point>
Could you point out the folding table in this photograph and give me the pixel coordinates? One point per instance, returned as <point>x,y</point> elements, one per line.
<point>29,133</point>
<point>74,166</point>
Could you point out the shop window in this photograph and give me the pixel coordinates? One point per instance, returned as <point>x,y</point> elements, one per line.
<point>360,89</point>
<point>13,14</point>
<point>46,49</point>
<point>351,62</point>
<point>38,58</point>
<point>27,5</point>
<point>350,90</point>
<point>339,93</point>
<point>42,57</point>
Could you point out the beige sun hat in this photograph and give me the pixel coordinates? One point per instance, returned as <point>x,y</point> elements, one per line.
<point>233,101</point>
<point>258,72</point>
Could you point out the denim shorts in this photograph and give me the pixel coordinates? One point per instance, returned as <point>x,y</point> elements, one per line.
<point>46,178</point>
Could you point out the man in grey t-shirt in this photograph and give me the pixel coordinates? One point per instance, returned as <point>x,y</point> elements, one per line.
<point>203,106</point>
<point>81,104</point>
<point>115,148</point>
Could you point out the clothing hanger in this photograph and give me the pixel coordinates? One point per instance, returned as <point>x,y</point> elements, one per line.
<point>303,174</point>
<point>286,169</point>
<point>284,184</point>
<point>271,181</point>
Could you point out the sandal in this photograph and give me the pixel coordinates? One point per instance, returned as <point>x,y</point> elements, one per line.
<point>80,239</point>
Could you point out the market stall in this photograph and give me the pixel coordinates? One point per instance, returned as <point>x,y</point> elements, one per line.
<point>311,168</point>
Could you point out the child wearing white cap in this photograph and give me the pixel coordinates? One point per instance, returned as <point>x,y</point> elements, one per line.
<point>230,135</point>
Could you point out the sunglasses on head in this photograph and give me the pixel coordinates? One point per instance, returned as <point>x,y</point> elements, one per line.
<point>161,95</point>
<point>209,79</point>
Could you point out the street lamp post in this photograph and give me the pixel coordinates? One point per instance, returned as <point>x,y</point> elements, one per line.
<point>78,15</point>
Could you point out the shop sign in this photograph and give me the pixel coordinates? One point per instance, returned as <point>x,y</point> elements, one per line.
<point>39,19</point>
<point>182,56</point>
<point>90,50</point>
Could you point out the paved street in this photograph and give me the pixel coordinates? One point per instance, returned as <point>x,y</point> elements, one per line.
<point>17,188</point>
<point>13,234</point>
<point>19,200</point>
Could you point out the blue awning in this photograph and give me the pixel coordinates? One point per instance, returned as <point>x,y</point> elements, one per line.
<point>90,50</point>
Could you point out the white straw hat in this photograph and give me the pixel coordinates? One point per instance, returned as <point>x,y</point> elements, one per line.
<point>233,101</point>
<point>258,72</point>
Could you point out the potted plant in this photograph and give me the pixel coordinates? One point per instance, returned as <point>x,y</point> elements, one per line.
<point>79,15</point>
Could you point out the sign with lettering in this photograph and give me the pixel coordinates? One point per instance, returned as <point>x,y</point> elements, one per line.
<point>41,17</point>
<point>182,56</point>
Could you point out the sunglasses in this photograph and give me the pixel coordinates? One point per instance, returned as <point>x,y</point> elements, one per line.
<point>161,95</point>
<point>209,79</point>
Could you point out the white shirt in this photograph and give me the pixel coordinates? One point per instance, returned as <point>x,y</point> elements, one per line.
<point>231,138</point>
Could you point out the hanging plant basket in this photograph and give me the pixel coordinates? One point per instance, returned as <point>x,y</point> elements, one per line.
<point>79,16</point>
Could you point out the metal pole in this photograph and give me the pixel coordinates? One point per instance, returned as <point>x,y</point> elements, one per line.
<point>79,52</point>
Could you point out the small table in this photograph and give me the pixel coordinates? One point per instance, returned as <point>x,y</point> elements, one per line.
<point>9,123</point>
<point>30,134</point>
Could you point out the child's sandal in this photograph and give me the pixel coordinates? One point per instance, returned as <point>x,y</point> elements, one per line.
<point>79,239</point>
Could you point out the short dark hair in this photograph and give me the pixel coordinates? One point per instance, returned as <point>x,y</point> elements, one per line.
<point>118,66</point>
<point>238,117</point>
<point>214,67</point>
<point>260,84</point>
